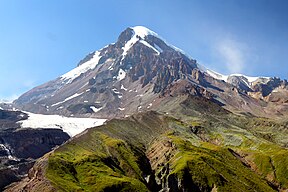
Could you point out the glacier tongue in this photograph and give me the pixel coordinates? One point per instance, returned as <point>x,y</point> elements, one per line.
<point>72,126</point>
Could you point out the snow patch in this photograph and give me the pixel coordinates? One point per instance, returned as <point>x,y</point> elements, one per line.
<point>115,91</point>
<point>88,65</point>
<point>128,46</point>
<point>111,67</point>
<point>72,126</point>
<point>122,87</point>
<point>21,115</point>
<point>59,108</point>
<point>121,109</point>
<point>121,75</point>
<point>276,90</point>
<point>95,109</point>
<point>150,46</point>
<point>67,99</point>
<point>158,48</point>
<point>149,106</point>
<point>216,75</point>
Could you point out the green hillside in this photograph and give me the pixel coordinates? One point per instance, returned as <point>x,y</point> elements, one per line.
<point>199,149</point>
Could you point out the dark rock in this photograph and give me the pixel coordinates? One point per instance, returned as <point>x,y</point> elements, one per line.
<point>33,143</point>
<point>26,146</point>
<point>92,81</point>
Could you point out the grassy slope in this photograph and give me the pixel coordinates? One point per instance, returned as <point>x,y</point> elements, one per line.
<point>228,152</point>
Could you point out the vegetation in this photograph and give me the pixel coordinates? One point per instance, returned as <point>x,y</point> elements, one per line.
<point>219,151</point>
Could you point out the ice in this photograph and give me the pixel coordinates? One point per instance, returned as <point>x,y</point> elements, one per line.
<point>72,126</point>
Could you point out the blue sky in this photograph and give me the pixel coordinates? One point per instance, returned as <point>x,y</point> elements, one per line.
<point>41,40</point>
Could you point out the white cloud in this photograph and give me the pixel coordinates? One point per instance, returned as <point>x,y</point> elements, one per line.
<point>232,53</point>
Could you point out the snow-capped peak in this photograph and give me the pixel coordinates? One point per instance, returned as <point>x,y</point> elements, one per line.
<point>143,31</point>
<point>139,34</point>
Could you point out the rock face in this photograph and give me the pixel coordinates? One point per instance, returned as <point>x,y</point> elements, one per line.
<point>32,143</point>
<point>19,148</point>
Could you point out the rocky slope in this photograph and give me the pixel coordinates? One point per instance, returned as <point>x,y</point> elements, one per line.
<point>130,75</point>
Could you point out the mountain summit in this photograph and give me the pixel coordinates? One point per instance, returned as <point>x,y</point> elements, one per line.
<point>141,71</point>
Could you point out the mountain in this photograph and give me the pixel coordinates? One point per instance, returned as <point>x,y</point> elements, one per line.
<point>173,125</point>
<point>138,72</point>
